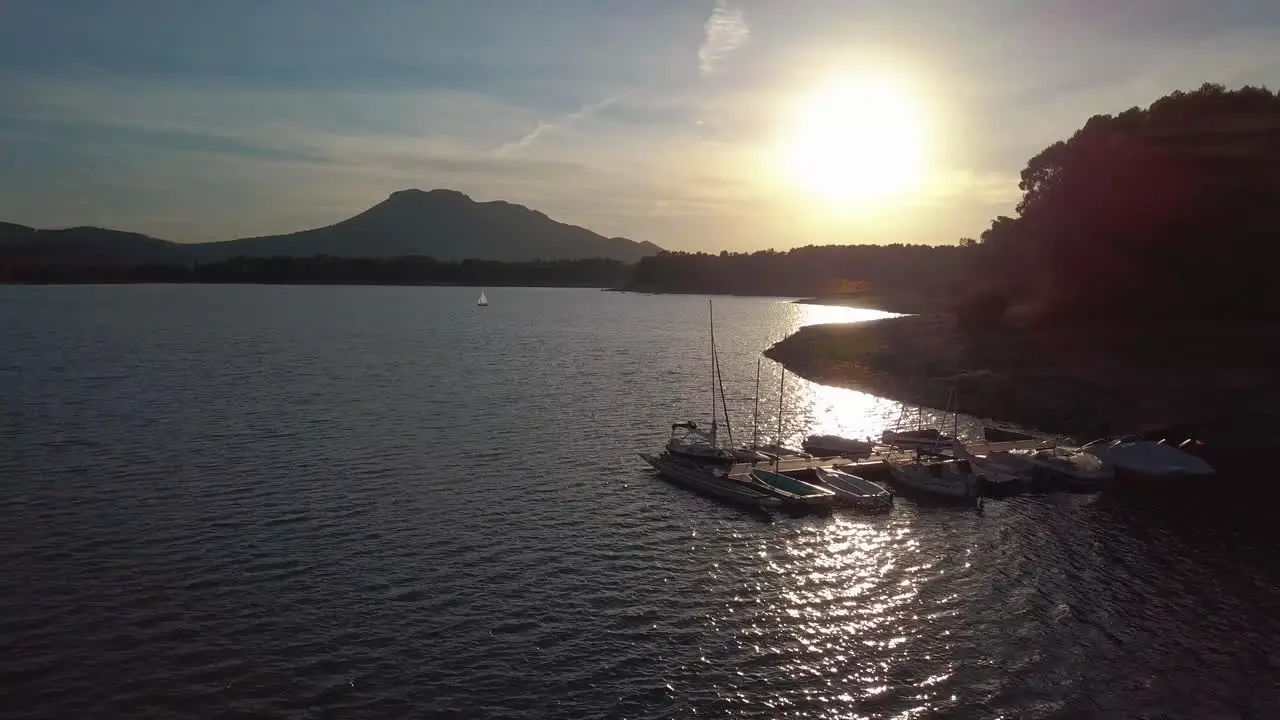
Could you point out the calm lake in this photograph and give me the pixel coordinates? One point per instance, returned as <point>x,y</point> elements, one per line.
<point>385,502</point>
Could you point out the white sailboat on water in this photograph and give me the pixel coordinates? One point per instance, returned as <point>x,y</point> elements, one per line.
<point>483,301</point>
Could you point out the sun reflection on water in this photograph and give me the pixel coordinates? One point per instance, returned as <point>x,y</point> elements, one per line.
<point>837,604</point>
<point>813,409</point>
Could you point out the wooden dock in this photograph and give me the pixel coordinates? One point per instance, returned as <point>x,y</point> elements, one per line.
<point>874,467</point>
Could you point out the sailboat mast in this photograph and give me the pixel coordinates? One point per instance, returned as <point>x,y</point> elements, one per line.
<point>712,314</point>
<point>724,403</point>
<point>755,416</point>
<point>782,383</point>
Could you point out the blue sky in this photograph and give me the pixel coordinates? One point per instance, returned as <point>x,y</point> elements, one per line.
<point>652,119</point>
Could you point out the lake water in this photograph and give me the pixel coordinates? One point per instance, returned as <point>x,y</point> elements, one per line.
<point>382,502</point>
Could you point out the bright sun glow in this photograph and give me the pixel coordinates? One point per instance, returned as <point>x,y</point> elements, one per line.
<point>857,142</point>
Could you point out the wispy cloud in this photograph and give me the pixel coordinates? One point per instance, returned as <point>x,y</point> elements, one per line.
<point>725,31</point>
<point>561,122</point>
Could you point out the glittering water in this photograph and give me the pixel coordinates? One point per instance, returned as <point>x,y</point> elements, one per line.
<point>386,502</point>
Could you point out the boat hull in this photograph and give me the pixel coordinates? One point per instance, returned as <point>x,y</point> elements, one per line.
<point>855,491</point>
<point>707,455</point>
<point>917,439</point>
<point>798,500</point>
<point>833,446</point>
<point>941,480</point>
<point>701,480</point>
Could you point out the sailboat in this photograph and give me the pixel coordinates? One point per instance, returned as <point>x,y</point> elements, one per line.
<point>702,446</point>
<point>483,301</point>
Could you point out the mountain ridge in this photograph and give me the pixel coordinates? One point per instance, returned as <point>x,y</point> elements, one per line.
<point>440,223</point>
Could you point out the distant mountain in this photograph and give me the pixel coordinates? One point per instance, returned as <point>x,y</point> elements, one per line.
<point>444,224</point>
<point>87,246</point>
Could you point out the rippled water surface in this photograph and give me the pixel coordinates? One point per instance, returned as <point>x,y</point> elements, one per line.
<point>385,502</point>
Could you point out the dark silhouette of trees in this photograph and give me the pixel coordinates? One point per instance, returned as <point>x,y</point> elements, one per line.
<point>820,270</point>
<point>1168,210</point>
<point>326,270</point>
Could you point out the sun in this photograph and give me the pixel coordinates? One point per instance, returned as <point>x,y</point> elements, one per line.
<point>857,142</point>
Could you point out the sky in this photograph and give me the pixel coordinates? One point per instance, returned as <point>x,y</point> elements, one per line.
<point>658,120</point>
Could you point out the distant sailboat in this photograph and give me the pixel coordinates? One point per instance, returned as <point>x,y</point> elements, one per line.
<point>483,301</point>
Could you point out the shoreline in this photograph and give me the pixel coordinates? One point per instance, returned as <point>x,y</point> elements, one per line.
<point>1048,382</point>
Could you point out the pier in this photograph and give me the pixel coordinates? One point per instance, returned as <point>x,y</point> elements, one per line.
<point>874,466</point>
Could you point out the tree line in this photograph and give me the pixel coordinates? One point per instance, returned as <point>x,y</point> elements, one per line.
<point>1164,211</point>
<point>326,270</point>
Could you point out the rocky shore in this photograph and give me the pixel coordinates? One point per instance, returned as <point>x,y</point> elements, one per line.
<point>1214,384</point>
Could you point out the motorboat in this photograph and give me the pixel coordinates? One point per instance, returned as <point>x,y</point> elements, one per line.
<point>834,445</point>
<point>853,490</point>
<point>1069,468</point>
<point>709,481</point>
<point>1132,455</point>
<point>1003,473</point>
<point>953,479</point>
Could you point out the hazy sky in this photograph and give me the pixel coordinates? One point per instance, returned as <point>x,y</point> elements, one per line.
<point>659,120</point>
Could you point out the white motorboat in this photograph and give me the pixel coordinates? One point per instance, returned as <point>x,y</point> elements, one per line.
<point>1136,456</point>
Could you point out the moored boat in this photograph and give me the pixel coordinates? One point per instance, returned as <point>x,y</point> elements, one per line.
<point>854,490</point>
<point>707,481</point>
<point>1136,457</point>
<point>789,489</point>
<point>775,450</point>
<point>700,446</point>
<point>952,479</point>
<point>922,439</point>
<point>1003,474</point>
<point>1069,468</point>
<point>836,446</point>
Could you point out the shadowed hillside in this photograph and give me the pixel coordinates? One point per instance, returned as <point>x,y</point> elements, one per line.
<point>444,224</point>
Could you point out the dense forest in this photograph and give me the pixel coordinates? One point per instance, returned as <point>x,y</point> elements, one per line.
<point>1165,211</point>
<point>322,270</point>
